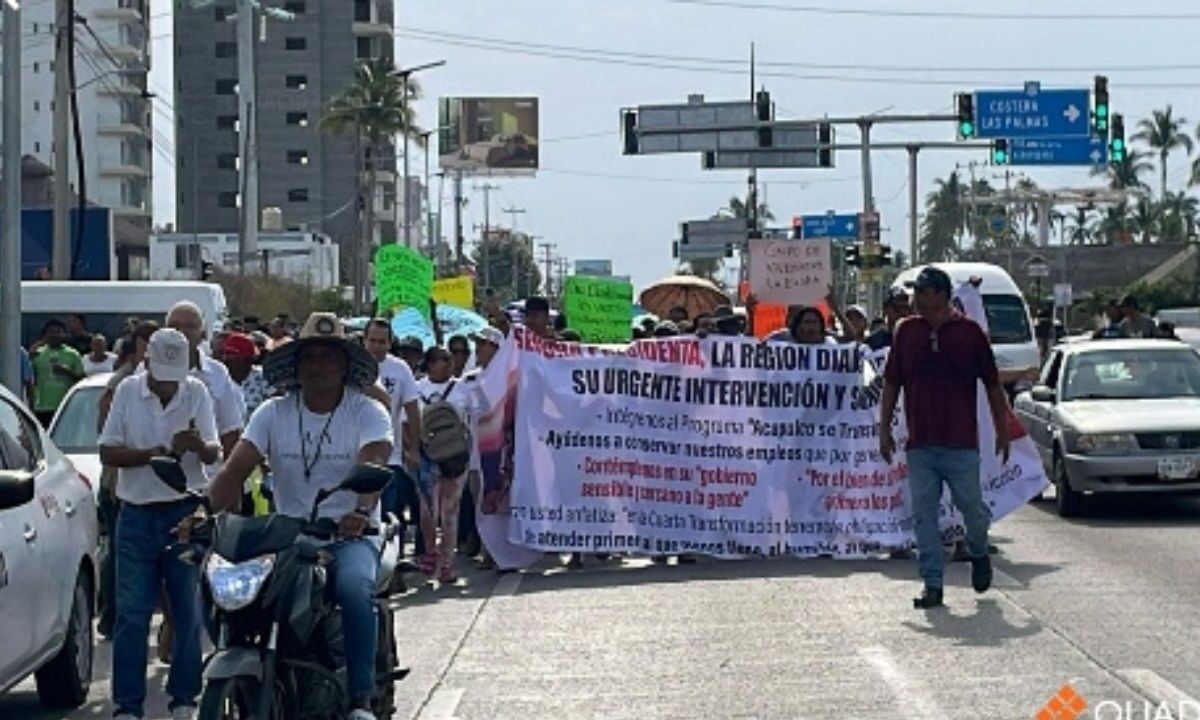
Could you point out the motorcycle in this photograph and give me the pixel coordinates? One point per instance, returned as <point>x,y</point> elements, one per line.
<point>280,652</point>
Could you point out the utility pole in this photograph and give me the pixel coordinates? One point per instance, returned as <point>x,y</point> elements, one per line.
<point>458,223</point>
<point>548,280</point>
<point>404,74</point>
<point>513,212</point>
<point>487,189</point>
<point>10,216</point>
<point>248,124</point>
<point>64,28</point>
<point>428,208</point>
<point>912,203</point>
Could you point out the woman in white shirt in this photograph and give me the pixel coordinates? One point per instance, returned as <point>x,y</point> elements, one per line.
<point>440,494</point>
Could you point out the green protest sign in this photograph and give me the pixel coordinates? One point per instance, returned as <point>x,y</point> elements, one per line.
<point>599,309</point>
<point>403,278</point>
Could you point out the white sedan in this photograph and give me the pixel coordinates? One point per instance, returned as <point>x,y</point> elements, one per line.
<point>74,428</point>
<point>48,536</point>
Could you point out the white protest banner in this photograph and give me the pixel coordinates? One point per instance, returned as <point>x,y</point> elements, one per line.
<point>719,446</point>
<point>790,272</point>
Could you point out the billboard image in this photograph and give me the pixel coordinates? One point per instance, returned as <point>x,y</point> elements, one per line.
<point>488,135</point>
<point>594,268</point>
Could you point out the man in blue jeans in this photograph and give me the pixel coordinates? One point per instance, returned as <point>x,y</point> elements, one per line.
<point>312,437</point>
<point>161,411</point>
<point>938,357</point>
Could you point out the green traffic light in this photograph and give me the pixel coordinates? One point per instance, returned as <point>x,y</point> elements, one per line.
<point>1000,157</point>
<point>1101,111</point>
<point>966,129</point>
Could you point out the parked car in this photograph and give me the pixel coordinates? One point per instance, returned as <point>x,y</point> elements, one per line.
<point>48,539</point>
<point>1112,416</point>
<point>74,429</point>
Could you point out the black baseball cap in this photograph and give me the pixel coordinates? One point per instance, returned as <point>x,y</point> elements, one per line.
<point>895,294</point>
<point>931,277</point>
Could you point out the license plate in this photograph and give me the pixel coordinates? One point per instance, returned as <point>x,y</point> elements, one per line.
<point>1177,468</point>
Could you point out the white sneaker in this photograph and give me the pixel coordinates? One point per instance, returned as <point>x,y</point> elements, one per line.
<point>183,712</point>
<point>361,714</point>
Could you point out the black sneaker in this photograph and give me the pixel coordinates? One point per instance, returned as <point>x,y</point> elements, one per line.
<point>981,573</point>
<point>930,597</point>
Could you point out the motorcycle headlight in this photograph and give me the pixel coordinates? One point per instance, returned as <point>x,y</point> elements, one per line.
<point>234,586</point>
<point>1105,443</point>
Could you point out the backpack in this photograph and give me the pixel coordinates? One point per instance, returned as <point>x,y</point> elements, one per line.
<point>446,439</point>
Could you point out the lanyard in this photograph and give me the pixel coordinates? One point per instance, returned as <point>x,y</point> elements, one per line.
<point>308,466</point>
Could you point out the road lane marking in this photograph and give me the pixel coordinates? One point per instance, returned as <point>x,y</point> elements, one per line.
<point>1157,688</point>
<point>507,585</point>
<point>442,704</point>
<point>911,693</point>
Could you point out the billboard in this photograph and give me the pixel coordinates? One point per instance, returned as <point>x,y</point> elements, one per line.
<point>94,256</point>
<point>593,268</point>
<point>488,136</point>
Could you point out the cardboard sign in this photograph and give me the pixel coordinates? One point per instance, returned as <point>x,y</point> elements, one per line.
<point>457,291</point>
<point>403,278</point>
<point>790,272</point>
<point>599,309</point>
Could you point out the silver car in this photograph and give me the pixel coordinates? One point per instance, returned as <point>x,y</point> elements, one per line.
<point>1116,416</point>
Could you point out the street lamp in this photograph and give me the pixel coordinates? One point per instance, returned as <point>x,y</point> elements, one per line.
<point>404,74</point>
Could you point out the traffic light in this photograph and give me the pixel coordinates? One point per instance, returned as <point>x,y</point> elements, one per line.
<point>885,255</point>
<point>1100,112</point>
<point>1116,143</point>
<point>629,134</point>
<point>966,115</point>
<point>1000,152</point>
<point>825,139</point>
<point>762,113</point>
<point>206,270</point>
<point>853,258</point>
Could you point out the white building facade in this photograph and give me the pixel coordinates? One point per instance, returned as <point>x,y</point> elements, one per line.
<point>112,64</point>
<point>307,258</point>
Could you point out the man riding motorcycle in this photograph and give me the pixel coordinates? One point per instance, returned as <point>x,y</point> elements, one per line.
<point>312,437</point>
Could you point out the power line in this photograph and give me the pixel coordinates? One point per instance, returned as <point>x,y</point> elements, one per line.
<point>946,14</point>
<point>741,62</point>
<point>581,55</point>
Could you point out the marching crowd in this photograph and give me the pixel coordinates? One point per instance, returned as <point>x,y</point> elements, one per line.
<point>261,418</point>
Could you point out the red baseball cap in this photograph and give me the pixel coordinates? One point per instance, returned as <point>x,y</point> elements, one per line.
<point>239,345</point>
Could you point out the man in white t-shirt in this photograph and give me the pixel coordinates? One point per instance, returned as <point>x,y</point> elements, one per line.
<point>99,359</point>
<point>228,405</point>
<point>161,411</point>
<point>397,379</point>
<point>312,437</point>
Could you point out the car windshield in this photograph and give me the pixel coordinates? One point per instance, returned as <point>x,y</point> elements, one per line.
<point>1133,374</point>
<point>75,431</point>
<point>1008,321</point>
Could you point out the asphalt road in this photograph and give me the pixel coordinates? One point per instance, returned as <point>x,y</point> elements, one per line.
<point>1108,604</point>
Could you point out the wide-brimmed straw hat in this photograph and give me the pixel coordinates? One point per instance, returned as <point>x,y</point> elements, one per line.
<point>320,329</point>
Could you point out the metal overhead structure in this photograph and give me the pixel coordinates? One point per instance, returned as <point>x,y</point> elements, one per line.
<point>1046,199</point>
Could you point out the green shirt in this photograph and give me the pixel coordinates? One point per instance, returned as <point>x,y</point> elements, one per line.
<point>50,387</point>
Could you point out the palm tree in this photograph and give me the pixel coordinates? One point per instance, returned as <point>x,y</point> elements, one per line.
<point>1127,173</point>
<point>372,106</point>
<point>1164,132</point>
<point>1144,218</point>
<point>944,222</point>
<point>1081,228</point>
<point>741,209</point>
<point>1114,225</point>
<point>707,268</point>
<point>1178,213</point>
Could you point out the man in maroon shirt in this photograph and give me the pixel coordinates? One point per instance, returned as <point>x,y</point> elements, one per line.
<point>938,357</point>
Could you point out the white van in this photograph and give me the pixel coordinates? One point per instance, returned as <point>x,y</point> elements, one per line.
<point>1009,322</point>
<point>105,305</point>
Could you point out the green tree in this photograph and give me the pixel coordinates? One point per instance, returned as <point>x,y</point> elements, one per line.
<point>1178,216</point>
<point>944,222</point>
<point>1127,173</point>
<point>509,267</point>
<point>1164,133</point>
<point>1144,218</point>
<point>741,209</point>
<point>1080,229</point>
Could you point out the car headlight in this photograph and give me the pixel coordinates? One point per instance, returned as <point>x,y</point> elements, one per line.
<point>234,586</point>
<point>1105,443</point>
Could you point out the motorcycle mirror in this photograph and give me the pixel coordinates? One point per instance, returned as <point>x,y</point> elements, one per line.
<point>367,478</point>
<point>168,469</point>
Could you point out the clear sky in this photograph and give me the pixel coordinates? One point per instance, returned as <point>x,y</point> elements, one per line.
<point>586,59</point>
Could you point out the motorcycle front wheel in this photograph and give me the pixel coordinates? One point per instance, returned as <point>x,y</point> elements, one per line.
<point>232,699</point>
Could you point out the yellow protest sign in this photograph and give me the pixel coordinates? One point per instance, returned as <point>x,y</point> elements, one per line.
<point>457,291</point>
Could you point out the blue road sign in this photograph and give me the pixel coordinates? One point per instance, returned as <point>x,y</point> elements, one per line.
<point>829,226</point>
<point>1089,150</point>
<point>1032,113</point>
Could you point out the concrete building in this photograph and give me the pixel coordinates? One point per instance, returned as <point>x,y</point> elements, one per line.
<point>112,62</point>
<point>307,258</point>
<point>301,65</point>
